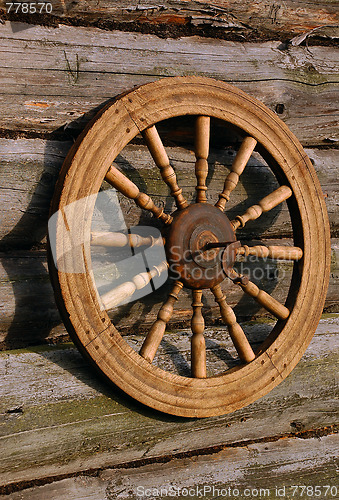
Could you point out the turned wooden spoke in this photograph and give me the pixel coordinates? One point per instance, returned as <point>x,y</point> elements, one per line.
<point>272,200</point>
<point>198,347</point>
<point>266,300</point>
<point>273,252</point>
<point>202,140</point>
<point>263,298</point>
<point>236,332</point>
<point>118,240</point>
<point>156,333</point>
<point>160,157</point>
<point>238,166</point>
<point>124,291</point>
<point>120,182</point>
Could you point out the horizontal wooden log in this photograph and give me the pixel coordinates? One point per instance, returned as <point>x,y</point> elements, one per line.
<point>257,469</point>
<point>290,16</point>
<point>29,314</point>
<point>65,77</point>
<point>250,19</point>
<point>29,169</point>
<point>28,172</point>
<point>232,471</point>
<point>60,418</point>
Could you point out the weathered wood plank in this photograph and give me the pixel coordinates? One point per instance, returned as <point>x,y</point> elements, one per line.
<point>95,53</point>
<point>28,172</point>
<point>290,16</point>
<point>260,470</point>
<point>253,19</point>
<point>29,169</point>
<point>60,418</point>
<point>256,470</point>
<point>69,71</point>
<point>29,314</point>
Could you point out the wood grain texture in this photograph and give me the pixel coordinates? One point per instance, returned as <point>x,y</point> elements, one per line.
<point>249,19</point>
<point>291,16</point>
<point>28,314</point>
<point>230,470</point>
<point>60,418</point>
<point>68,72</point>
<point>29,169</point>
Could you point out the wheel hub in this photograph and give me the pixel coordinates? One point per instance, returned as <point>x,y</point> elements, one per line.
<point>192,230</point>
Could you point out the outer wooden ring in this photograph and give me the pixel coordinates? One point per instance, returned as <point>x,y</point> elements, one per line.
<point>91,329</point>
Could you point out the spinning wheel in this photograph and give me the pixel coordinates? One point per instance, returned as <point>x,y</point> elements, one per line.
<point>201,245</point>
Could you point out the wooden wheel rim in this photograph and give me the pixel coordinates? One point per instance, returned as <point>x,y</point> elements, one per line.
<point>90,327</point>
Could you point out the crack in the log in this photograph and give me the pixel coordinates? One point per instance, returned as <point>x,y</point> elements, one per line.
<point>159,75</point>
<point>61,136</point>
<point>304,434</point>
<point>166,27</point>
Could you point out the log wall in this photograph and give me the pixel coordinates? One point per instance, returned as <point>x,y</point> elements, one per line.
<point>60,418</point>
<point>221,18</point>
